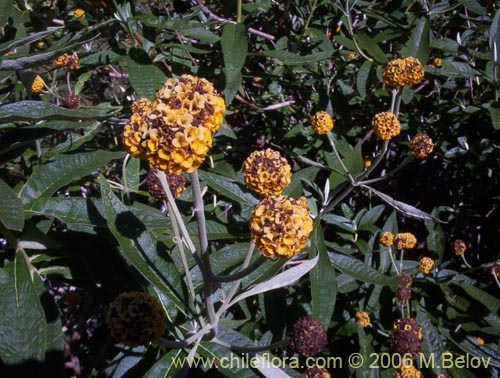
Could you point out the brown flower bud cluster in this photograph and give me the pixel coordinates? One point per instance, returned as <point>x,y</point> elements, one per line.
<point>135,318</point>
<point>175,132</point>
<point>308,336</point>
<point>406,338</point>
<point>421,145</point>
<point>71,62</point>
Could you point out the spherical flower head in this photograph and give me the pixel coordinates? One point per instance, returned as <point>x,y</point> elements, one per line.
<point>386,238</point>
<point>73,62</point>
<point>402,293</point>
<point>425,265</point>
<point>479,340</point>
<point>316,372</point>
<point>407,371</point>
<point>363,319</point>
<point>61,60</point>
<point>386,125</point>
<point>414,71</point>
<point>280,226</point>
<point>405,279</point>
<point>351,56</point>
<point>459,247</point>
<point>406,337</point>
<point>421,145</point>
<point>267,172</point>
<point>142,105</point>
<point>437,62</point>
<point>403,71</point>
<point>321,122</point>
<point>79,14</point>
<point>72,101</point>
<point>495,269</point>
<point>176,184</point>
<point>135,318</point>
<point>367,161</point>
<point>135,135</point>
<point>308,336</point>
<point>405,240</point>
<point>37,85</point>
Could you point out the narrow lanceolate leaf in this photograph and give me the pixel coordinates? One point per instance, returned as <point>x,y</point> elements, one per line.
<point>487,300</point>
<point>283,279</point>
<point>49,177</point>
<point>23,329</point>
<point>418,44</point>
<point>404,208</point>
<point>229,188</point>
<point>234,50</point>
<point>323,282</point>
<point>5,47</point>
<point>357,269</point>
<point>141,249</point>
<point>11,208</point>
<point>37,110</point>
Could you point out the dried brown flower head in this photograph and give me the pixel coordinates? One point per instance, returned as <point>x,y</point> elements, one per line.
<point>308,336</point>
<point>421,146</point>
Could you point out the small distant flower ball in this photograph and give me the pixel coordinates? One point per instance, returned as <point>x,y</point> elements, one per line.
<point>351,56</point>
<point>367,161</point>
<point>267,172</point>
<point>71,62</point>
<point>403,71</point>
<point>363,319</point>
<point>437,62</point>
<point>316,372</point>
<point>37,85</point>
<point>405,279</point>
<point>421,146</point>
<point>386,239</point>
<point>61,60</point>
<point>405,240</point>
<point>280,226</point>
<point>406,337</point>
<point>459,247</point>
<point>321,122</point>
<point>479,340</point>
<point>79,14</point>
<point>176,135</point>
<point>176,183</point>
<point>495,269</point>
<point>407,372</point>
<point>402,293</point>
<point>425,265</point>
<point>308,336</point>
<point>386,125</point>
<point>72,101</point>
<point>135,318</point>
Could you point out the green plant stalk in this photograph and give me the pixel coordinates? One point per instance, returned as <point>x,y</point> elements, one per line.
<point>337,155</point>
<point>239,11</point>
<point>205,256</point>
<point>124,21</point>
<point>309,18</point>
<point>392,260</point>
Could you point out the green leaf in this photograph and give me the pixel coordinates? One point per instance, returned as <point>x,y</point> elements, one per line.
<point>145,78</point>
<point>62,170</point>
<point>371,217</point>
<point>33,37</point>
<point>165,367</point>
<point>37,110</point>
<point>404,208</point>
<point>229,188</point>
<point>141,250</point>
<point>473,6</point>
<point>487,300</point>
<point>291,59</point>
<point>360,270</point>
<point>494,33</point>
<point>418,44</point>
<point>286,278</point>
<point>294,189</point>
<point>234,51</point>
<point>23,329</point>
<point>323,282</point>
<point>202,34</point>
<point>362,78</point>
<point>75,140</point>
<point>494,110</point>
<point>367,44</point>
<point>11,208</point>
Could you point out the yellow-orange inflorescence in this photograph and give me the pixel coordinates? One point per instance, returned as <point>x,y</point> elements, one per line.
<point>267,172</point>
<point>316,372</point>
<point>176,134</point>
<point>61,60</point>
<point>79,14</point>
<point>407,371</point>
<point>421,145</point>
<point>281,225</point>
<point>386,238</point>
<point>37,85</point>
<point>321,122</point>
<point>363,319</point>
<point>135,318</point>
<point>405,240</point>
<point>71,62</point>
<point>386,125</point>
<point>495,269</point>
<point>425,265</point>
<point>142,105</point>
<point>403,71</point>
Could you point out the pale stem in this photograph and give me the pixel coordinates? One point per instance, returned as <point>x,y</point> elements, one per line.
<point>401,260</point>
<point>392,260</point>
<point>205,256</point>
<point>496,279</point>
<point>465,262</point>
<point>239,13</point>
<point>332,143</point>
<point>124,176</point>
<point>379,331</point>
